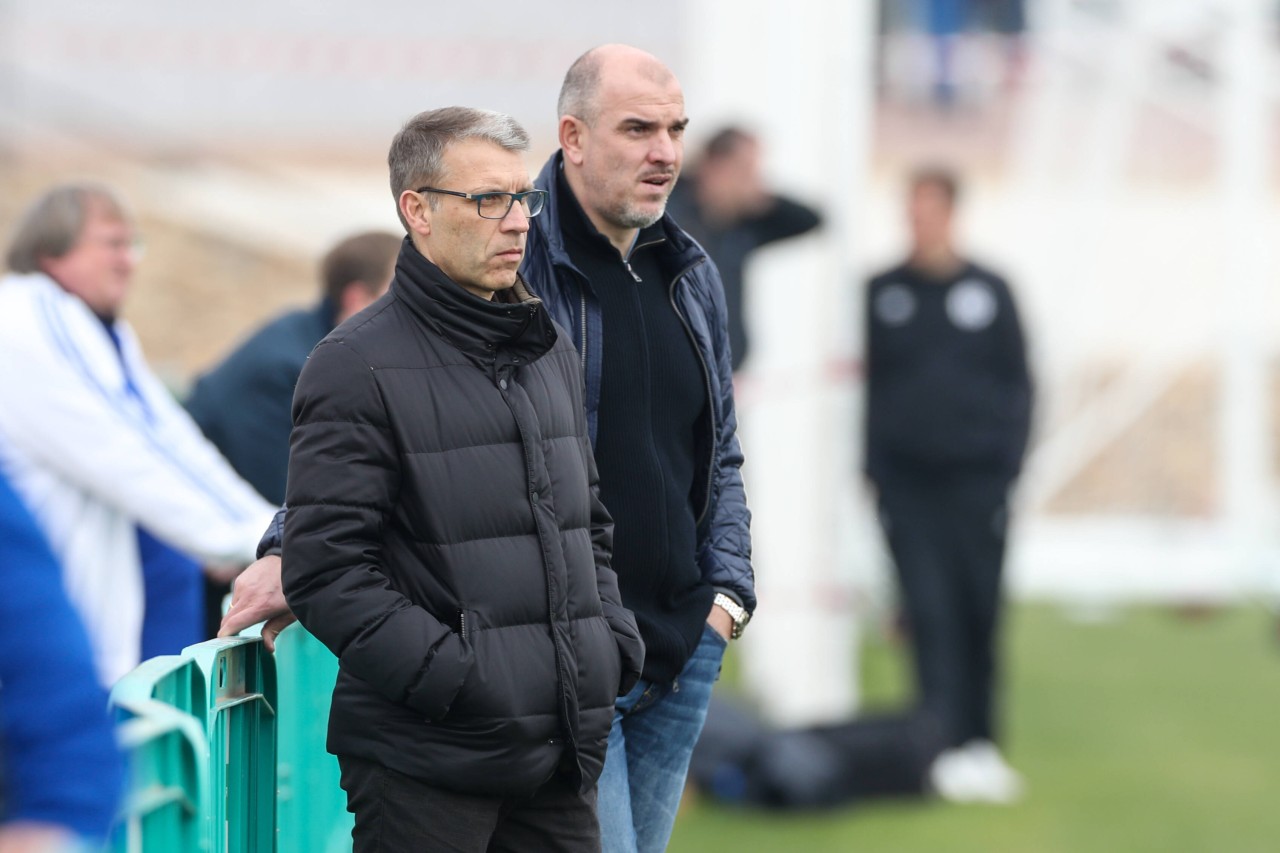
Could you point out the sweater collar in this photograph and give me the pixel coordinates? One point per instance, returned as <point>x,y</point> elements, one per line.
<point>510,329</point>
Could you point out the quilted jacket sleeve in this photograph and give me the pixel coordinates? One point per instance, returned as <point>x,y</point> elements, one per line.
<point>724,550</point>
<point>344,477</point>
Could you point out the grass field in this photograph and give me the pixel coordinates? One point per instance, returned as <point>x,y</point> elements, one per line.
<point>1148,731</point>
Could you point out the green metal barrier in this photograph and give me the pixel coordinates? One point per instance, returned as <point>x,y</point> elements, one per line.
<point>311,807</point>
<point>227,750</point>
<point>200,732</point>
<point>160,714</point>
<point>240,681</point>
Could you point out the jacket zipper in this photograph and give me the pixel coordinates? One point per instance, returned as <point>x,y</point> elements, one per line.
<point>626,262</point>
<point>582,313</point>
<point>706,375</point>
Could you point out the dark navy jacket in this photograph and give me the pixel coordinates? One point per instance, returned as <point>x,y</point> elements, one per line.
<point>243,404</point>
<point>724,541</point>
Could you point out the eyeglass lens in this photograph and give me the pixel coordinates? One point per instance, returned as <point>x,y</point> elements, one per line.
<point>498,205</point>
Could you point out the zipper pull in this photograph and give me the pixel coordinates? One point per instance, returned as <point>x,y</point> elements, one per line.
<point>627,264</point>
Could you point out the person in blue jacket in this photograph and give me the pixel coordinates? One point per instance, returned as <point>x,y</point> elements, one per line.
<point>60,770</point>
<point>243,404</point>
<point>646,308</point>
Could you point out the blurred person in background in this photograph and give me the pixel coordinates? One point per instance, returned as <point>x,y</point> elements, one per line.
<point>96,446</point>
<point>726,207</point>
<point>60,772</point>
<point>659,403</point>
<point>243,405</point>
<point>948,415</point>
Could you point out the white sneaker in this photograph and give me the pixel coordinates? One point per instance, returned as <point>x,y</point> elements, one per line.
<point>953,778</point>
<point>1001,784</point>
<point>975,773</point>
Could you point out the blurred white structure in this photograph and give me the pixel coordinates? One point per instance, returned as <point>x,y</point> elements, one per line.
<point>802,78</point>
<point>1160,278</point>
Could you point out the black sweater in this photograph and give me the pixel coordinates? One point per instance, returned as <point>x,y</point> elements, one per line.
<point>948,391</point>
<point>653,400</point>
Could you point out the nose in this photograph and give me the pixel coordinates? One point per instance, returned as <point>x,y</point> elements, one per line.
<point>515,220</point>
<point>664,148</point>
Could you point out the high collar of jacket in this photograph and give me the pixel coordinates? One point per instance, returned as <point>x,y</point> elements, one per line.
<point>510,328</point>
<point>679,250</point>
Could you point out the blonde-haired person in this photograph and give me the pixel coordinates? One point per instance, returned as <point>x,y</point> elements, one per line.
<point>89,437</point>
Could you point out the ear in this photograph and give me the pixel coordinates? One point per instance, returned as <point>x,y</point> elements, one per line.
<point>573,132</point>
<point>416,212</point>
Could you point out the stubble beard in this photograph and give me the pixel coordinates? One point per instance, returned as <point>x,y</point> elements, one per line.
<point>628,215</point>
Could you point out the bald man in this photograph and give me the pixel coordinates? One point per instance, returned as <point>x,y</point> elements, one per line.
<point>646,308</point>
<point>605,256</point>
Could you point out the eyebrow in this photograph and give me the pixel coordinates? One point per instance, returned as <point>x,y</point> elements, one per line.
<point>491,189</point>
<point>647,124</point>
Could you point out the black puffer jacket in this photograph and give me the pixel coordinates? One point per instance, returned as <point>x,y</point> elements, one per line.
<point>445,540</point>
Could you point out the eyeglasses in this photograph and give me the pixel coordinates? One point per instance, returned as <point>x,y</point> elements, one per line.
<point>497,205</point>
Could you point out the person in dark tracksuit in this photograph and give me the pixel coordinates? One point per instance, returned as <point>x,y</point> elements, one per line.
<point>948,415</point>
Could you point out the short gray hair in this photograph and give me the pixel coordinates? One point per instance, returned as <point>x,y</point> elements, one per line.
<point>416,157</point>
<point>581,83</point>
<point>50,227</point>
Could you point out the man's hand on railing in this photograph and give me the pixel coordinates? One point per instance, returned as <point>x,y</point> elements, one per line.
<point>258,595</point>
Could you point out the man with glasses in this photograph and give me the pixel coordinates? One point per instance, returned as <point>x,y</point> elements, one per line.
<point>659,401</point>
<point>445,536</point>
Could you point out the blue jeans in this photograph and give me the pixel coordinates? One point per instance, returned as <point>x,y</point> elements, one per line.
<point>655,727</point>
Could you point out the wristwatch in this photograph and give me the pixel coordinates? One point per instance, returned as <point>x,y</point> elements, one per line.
<point>739,613</point>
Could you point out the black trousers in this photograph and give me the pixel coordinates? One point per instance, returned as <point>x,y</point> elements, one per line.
<point>948,542</point>
<point>396,813</point>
